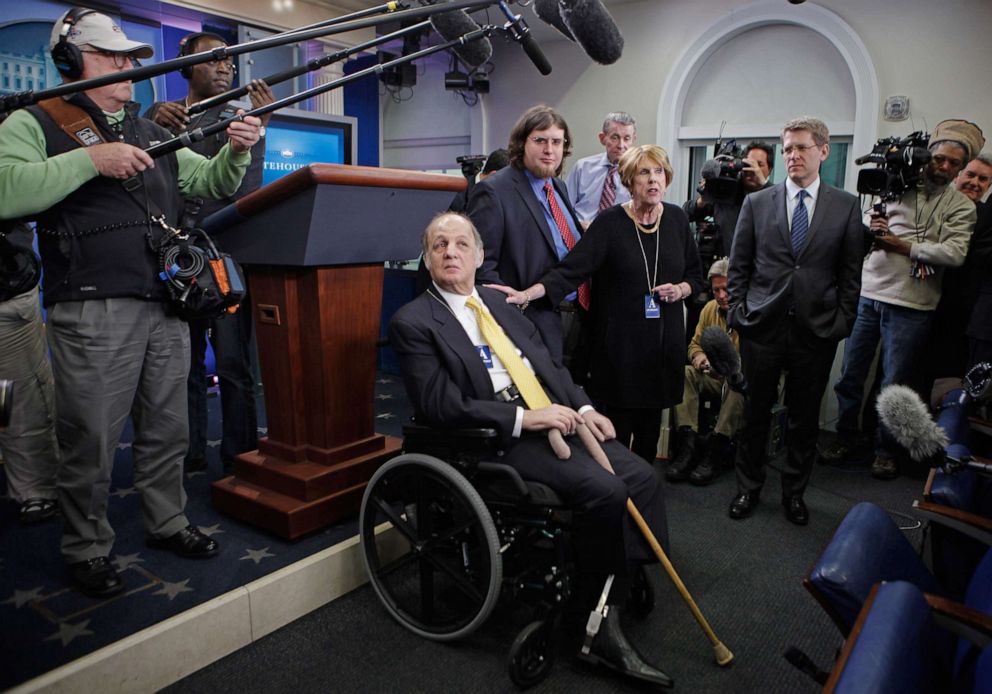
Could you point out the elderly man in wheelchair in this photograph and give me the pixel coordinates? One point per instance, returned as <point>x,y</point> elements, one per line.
<point>453,342</point>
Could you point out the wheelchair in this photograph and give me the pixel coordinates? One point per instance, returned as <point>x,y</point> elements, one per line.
<point>468,530</point>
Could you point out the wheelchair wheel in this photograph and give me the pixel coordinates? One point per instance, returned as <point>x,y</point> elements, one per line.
<point>440,575</point>
<point>532,654</point>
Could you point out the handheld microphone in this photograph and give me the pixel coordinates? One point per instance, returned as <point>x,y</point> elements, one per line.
<point>547,11</point>
<point>723,356</point>
<point>906,417</point>
<point>518,30</point>
<point>594,29</point>
<point>455,24</point>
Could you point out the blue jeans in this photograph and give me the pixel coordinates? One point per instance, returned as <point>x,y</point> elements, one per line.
<point>901,331</point>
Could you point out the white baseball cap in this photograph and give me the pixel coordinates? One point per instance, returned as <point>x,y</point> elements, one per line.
<point>98,30</point>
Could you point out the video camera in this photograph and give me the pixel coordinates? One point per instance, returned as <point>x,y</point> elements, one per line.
<point>722,173</point>
<point>471,165</point>
<point>899,165</point>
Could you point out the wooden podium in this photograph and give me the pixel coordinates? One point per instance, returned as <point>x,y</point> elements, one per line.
<point>315,242</point>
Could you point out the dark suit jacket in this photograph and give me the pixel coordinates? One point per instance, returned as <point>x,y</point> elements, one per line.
<point>446,380</point>
<point>979,262</point>
<point>822,285</point>
<point>518,242</point>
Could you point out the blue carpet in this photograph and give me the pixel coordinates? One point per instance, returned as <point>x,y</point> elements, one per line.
<point>45,623</point>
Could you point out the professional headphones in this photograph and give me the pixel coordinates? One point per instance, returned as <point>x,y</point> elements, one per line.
<point>186,44</point>
<point>67,57</point>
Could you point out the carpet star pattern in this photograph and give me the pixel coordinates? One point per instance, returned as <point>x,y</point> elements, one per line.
<point>256,555</point>
<point>68,633</point>
<point>171,590</point>
<point>20,598</point>
<point>123,561</point>
<point>210,530</point>
<point>122,492</point>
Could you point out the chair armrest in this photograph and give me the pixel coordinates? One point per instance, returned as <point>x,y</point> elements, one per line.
<point>970,524</point>
<point>966,622</point>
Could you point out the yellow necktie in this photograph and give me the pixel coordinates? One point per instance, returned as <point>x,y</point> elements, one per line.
<point>522,377</point>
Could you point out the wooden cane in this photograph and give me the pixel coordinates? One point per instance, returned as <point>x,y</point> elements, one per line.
<point>723,654</point>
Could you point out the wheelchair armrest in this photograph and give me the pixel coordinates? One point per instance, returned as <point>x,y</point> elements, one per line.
<point>970,524</point>
<point>447,443</point>
<point>511,473</point>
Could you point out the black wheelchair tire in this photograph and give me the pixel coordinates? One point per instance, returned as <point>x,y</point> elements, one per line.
<point>532,654</point>
<point>442,475</point>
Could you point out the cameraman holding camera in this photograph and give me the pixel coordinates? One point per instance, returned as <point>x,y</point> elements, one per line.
<point>741,176</point>
<point>118,347</point>
<point>30,452</point>
<point>926,229</point>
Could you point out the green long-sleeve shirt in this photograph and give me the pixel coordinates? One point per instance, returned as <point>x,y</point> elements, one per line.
<point>31,182</point>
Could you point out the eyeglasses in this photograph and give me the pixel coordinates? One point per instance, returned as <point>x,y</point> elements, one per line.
<point>121,60</point>
<point>227,62</point>
<point>800,149</point>
<point>556,142</point>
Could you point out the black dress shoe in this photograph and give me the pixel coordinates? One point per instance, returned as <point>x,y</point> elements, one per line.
<point>188,542</point>
<point>743,505</point>
<point>96,577</point>
<point>795,509</point>
<point>611,649</point>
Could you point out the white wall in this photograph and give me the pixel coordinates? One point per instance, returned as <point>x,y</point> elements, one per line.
<point>935,54</point>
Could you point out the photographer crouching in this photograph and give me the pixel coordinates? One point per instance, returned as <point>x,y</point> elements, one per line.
<point>27,391</point>
<point>118,345</point>
<point>922,226</point>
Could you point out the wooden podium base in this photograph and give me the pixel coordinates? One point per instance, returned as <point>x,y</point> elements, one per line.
<point>290,499</point>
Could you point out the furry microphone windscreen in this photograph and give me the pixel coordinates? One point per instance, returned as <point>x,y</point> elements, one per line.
<point>455,24</point>
<point>908,420</point>
<point>720,350</point>
<point>593,28</point>
<point>548,12</point>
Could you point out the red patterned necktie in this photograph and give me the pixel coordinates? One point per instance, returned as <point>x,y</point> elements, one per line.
<point>566,236</point>
<point>609,197</point>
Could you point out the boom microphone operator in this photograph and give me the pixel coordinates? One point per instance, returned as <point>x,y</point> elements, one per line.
<point>518,30</point>
<point>452,25</point>
<point>593,28</point>
<point>723,357</point>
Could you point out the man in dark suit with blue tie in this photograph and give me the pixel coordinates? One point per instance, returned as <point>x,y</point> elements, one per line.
<point>528,224</point>
<point>795,279</point>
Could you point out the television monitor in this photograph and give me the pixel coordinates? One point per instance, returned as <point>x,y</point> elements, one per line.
<point>295,138</point>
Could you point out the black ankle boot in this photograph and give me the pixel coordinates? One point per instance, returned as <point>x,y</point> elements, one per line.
<point>611,649</point>
<point>715,463</point>
<point>685,445</point>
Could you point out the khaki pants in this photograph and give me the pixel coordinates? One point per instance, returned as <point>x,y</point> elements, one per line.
<point>697,384</point>
<point>115,358</point>
<point>30,452</point>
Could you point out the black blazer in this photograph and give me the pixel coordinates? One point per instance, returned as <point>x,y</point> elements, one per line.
<point>518,242</point>
<point>821,286</point>
<point>979,263</point>
<point>445,379</point>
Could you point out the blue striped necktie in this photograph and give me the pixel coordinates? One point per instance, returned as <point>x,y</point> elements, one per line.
<point>800,223</point>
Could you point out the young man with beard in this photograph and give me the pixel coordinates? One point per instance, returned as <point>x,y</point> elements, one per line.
<point>528,224</point>
<point>230,335</point>
<point>925,231</point>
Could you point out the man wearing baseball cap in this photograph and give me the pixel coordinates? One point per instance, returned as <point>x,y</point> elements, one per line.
<point>926,231</point>
<point>117,348</point>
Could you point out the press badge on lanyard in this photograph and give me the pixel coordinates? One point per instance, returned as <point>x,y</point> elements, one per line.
<point>485,354</point>
<point>651,307</point>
